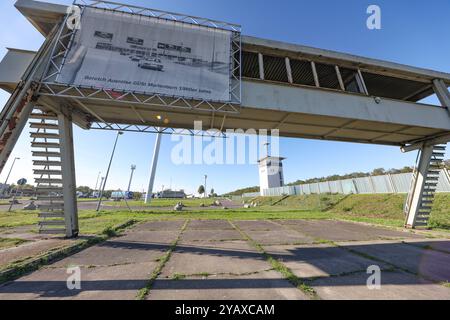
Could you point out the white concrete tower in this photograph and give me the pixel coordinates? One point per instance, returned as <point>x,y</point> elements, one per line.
<point>270,172</point>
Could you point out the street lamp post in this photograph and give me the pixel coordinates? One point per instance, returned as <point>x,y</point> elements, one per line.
<point>206,192</point>
<point>148,196</point>
<point>107,172</point>
<point>9,173</point>
<point>133,167</point>
<point>96,182</point>
<point>100,186</point>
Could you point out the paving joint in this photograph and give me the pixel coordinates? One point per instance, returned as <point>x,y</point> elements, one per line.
<point>25,266</point>
<point>280,267</point>
<point>144,292</point>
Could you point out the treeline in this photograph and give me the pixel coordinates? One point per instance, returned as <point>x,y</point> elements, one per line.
<point>87,192</point>
<point>376,172</point>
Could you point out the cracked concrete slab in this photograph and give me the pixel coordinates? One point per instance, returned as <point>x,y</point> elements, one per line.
<point>345,231</point>
<point>394,286</point>
<point>156,237</point>
<point>210,263</point>
<point>265,285</point>
<point>23,232</point>
<point>112,283</point>
<point>435,244</point>
<point>166,225</point>
<point>209,225</point>
<point>322,260</point>
<point>31,249</point>
<point>285,236</point>
<point>257,225</point>
<point>428,263</point>
<point>113,252</point>
<point>235,257</point>
<point>210,235</point>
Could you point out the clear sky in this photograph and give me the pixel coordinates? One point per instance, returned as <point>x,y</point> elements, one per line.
<point>413,32</point>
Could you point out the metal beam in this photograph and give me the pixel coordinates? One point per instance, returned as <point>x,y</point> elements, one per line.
<point>361,83</point>
<point>148,196</point>
<point>316,77</point>
<point>432,141</point>
<point>442,93</point>
<point>289,70</point>
<point>341,82</point>
<point>418,186</point>
<point>311,101</point>
<point>261,66</point>
<point>68,175</point>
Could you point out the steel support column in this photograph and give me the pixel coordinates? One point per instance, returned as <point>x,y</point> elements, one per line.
<point>68,175</point>
<point>418,185</point>
<point>442,93</point>
<point>148,196</point>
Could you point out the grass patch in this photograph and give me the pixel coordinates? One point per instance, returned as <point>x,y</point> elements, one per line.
<point>163,202</point>
<point>178,276</point>
<point>384,206</point>
<point>313,202</point>
<point>17,218</point>
<point>10,242</point>
<point>440,214</point>
<point>162,262</point>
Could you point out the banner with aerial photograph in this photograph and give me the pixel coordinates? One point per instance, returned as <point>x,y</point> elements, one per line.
<point>133,53</point>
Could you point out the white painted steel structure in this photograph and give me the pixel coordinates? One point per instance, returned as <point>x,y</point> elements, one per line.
<point>302,91</point>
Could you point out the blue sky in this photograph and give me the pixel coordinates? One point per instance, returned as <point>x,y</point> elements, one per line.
<point>413,32</point>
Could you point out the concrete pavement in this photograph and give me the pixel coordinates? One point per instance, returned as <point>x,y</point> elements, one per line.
<point>218,259</point>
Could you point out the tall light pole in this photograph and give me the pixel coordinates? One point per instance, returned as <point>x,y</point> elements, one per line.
<point>9,173</point>
<point>148,196</point>
<point>133,167</point>
<point>96,182</point>
<point>206,192</point>
<point>100,186</point>
<point>107,172</point>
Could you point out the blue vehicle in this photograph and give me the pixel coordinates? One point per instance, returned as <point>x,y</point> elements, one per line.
<point>121,195</point>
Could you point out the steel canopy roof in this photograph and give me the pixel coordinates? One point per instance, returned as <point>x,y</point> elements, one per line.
<point>297,111</point>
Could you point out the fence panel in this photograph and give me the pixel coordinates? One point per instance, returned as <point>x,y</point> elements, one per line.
<point>382,184</point>
<point>444,183</point>
<point>363,185</point>
<point>402,182</point>
<point>395,183</point>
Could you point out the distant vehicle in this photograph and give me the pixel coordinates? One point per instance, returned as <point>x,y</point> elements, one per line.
<point>120,195</point>
<point>151,64</point>
<point>136,58</point>
<point>171,194</point>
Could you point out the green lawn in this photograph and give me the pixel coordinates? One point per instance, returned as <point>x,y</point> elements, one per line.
<point>9,242</point>
<point>162,202</point>
<point>302,202</point>
<point>382,209</point>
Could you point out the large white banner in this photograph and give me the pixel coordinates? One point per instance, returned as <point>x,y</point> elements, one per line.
<point>132,53</point>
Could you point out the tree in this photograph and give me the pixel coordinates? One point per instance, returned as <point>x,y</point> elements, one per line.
<point>211,192</point>
<point>447,163</point>
<point>201,189</point>
<point>84,189</point>
<point>378,172</point>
